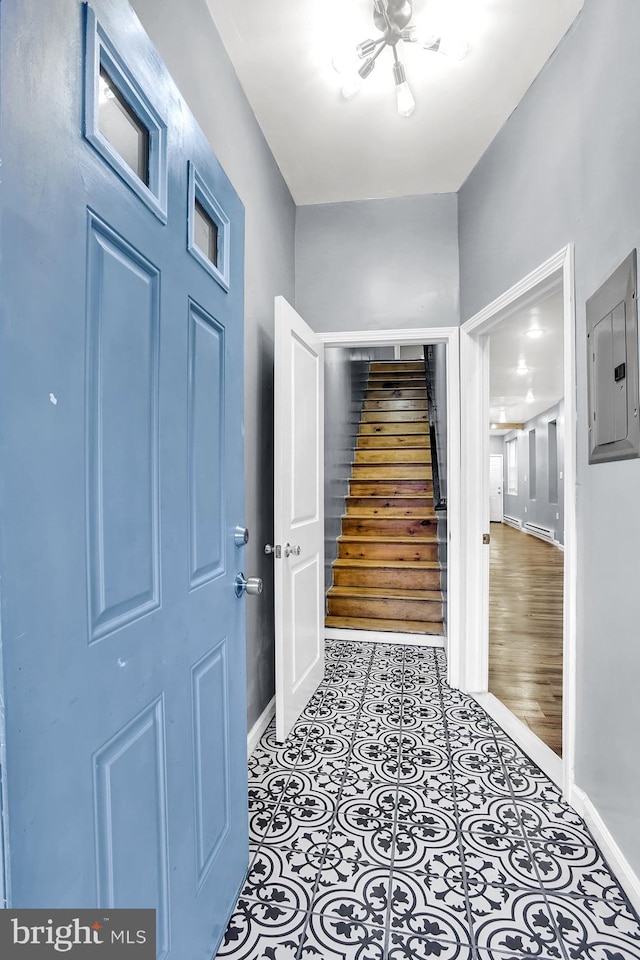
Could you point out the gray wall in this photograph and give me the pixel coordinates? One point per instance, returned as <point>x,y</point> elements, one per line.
<point>378,263</point>
<point>346,372</point>
<point>520,506</point>
<point>565,168</point>
<point>187,39</point>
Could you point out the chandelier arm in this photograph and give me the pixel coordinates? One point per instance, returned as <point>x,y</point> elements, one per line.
<point>381,6</point>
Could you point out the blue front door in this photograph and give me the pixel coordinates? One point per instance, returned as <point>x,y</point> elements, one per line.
<point>121,482</point>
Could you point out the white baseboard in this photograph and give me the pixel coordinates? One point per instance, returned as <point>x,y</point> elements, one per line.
<point>260,726</point>
<point>380,636</point>
<point>629,880</point>
<point>526,739</point>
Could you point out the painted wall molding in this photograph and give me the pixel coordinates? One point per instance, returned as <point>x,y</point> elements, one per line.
<point>377,636</point>
<point>261,724</point>
<point>621,867</point>
<point>525,738</point>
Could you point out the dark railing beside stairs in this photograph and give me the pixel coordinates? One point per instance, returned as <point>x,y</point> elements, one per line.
<point>439,477</point>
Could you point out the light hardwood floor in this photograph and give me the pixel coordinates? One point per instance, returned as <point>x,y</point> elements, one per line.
<point>525,630</point>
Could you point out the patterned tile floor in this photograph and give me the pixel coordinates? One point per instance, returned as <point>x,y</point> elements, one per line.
<point>399,821</point>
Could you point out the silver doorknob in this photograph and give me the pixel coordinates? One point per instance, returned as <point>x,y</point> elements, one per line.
<point>252,587</point>
<point>292,551</point>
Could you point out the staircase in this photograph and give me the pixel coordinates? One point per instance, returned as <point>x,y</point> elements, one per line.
<point>387,574</point>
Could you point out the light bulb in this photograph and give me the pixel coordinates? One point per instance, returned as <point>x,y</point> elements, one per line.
<point>453,47</point>
<point>410,34</point>
<point>350,85</point>
<point>406,102</point>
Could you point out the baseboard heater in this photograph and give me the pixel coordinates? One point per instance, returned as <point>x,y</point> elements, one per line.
<point>543,532</point>
<point>512,522</point>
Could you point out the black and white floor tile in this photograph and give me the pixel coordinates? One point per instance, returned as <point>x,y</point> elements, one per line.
<point>399,822</point>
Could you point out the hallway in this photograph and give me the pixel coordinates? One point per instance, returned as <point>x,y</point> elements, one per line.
<point>526,630</point>
<point>399,821</point>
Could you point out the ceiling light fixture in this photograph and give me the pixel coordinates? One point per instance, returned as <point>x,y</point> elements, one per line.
<point>535,332</point>
<point>522,368</point>
<point>393,20</point>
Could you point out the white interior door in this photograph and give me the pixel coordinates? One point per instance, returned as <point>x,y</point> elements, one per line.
<point>299,514</point>
<point>496,478</point>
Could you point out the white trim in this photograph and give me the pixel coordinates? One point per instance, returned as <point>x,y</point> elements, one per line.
<point>380,636</point>
<point>405,337</point>
<point>530,289</point>
<point>451,337</point>
<point>261,724</point>
<point>555,274</point>
<point>619,864</point>
<point>526,739</point>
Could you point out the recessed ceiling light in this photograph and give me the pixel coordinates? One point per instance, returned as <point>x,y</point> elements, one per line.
<point>535,332</point>
<point>522,368</point>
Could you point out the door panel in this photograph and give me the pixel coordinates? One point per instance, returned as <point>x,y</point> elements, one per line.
<point>123,308</point>
<point>299,515</point>
<point>122,483</point>
<point>496,480</point>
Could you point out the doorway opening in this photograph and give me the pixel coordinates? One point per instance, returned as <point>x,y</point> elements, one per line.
<point>552,278</point>
<point>398,346</point>
<point>526,512</point>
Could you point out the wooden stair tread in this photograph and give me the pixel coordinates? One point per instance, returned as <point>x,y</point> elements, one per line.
<point>404,496</point>
<point>427,628</point>
<point>421,514</point>
<point>384,593</point>
<point>387,564</point>
<point>389,428</point>
<point>376,366</point>
<point>401,441</point>
<point>355,538</point>
<point>395,416</point>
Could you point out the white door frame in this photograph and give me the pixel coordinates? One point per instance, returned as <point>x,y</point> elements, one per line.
<point>451,337</point>
<point>557,273</point>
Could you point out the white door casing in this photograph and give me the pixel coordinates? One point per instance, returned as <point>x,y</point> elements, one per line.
<point>299,514</point>
<point>496,497</point>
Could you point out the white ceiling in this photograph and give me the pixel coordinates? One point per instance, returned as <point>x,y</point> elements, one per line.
<point>330,149</point>
<point>510,347</point>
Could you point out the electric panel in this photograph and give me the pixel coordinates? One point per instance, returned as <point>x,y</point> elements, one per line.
<point>612,365</point>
